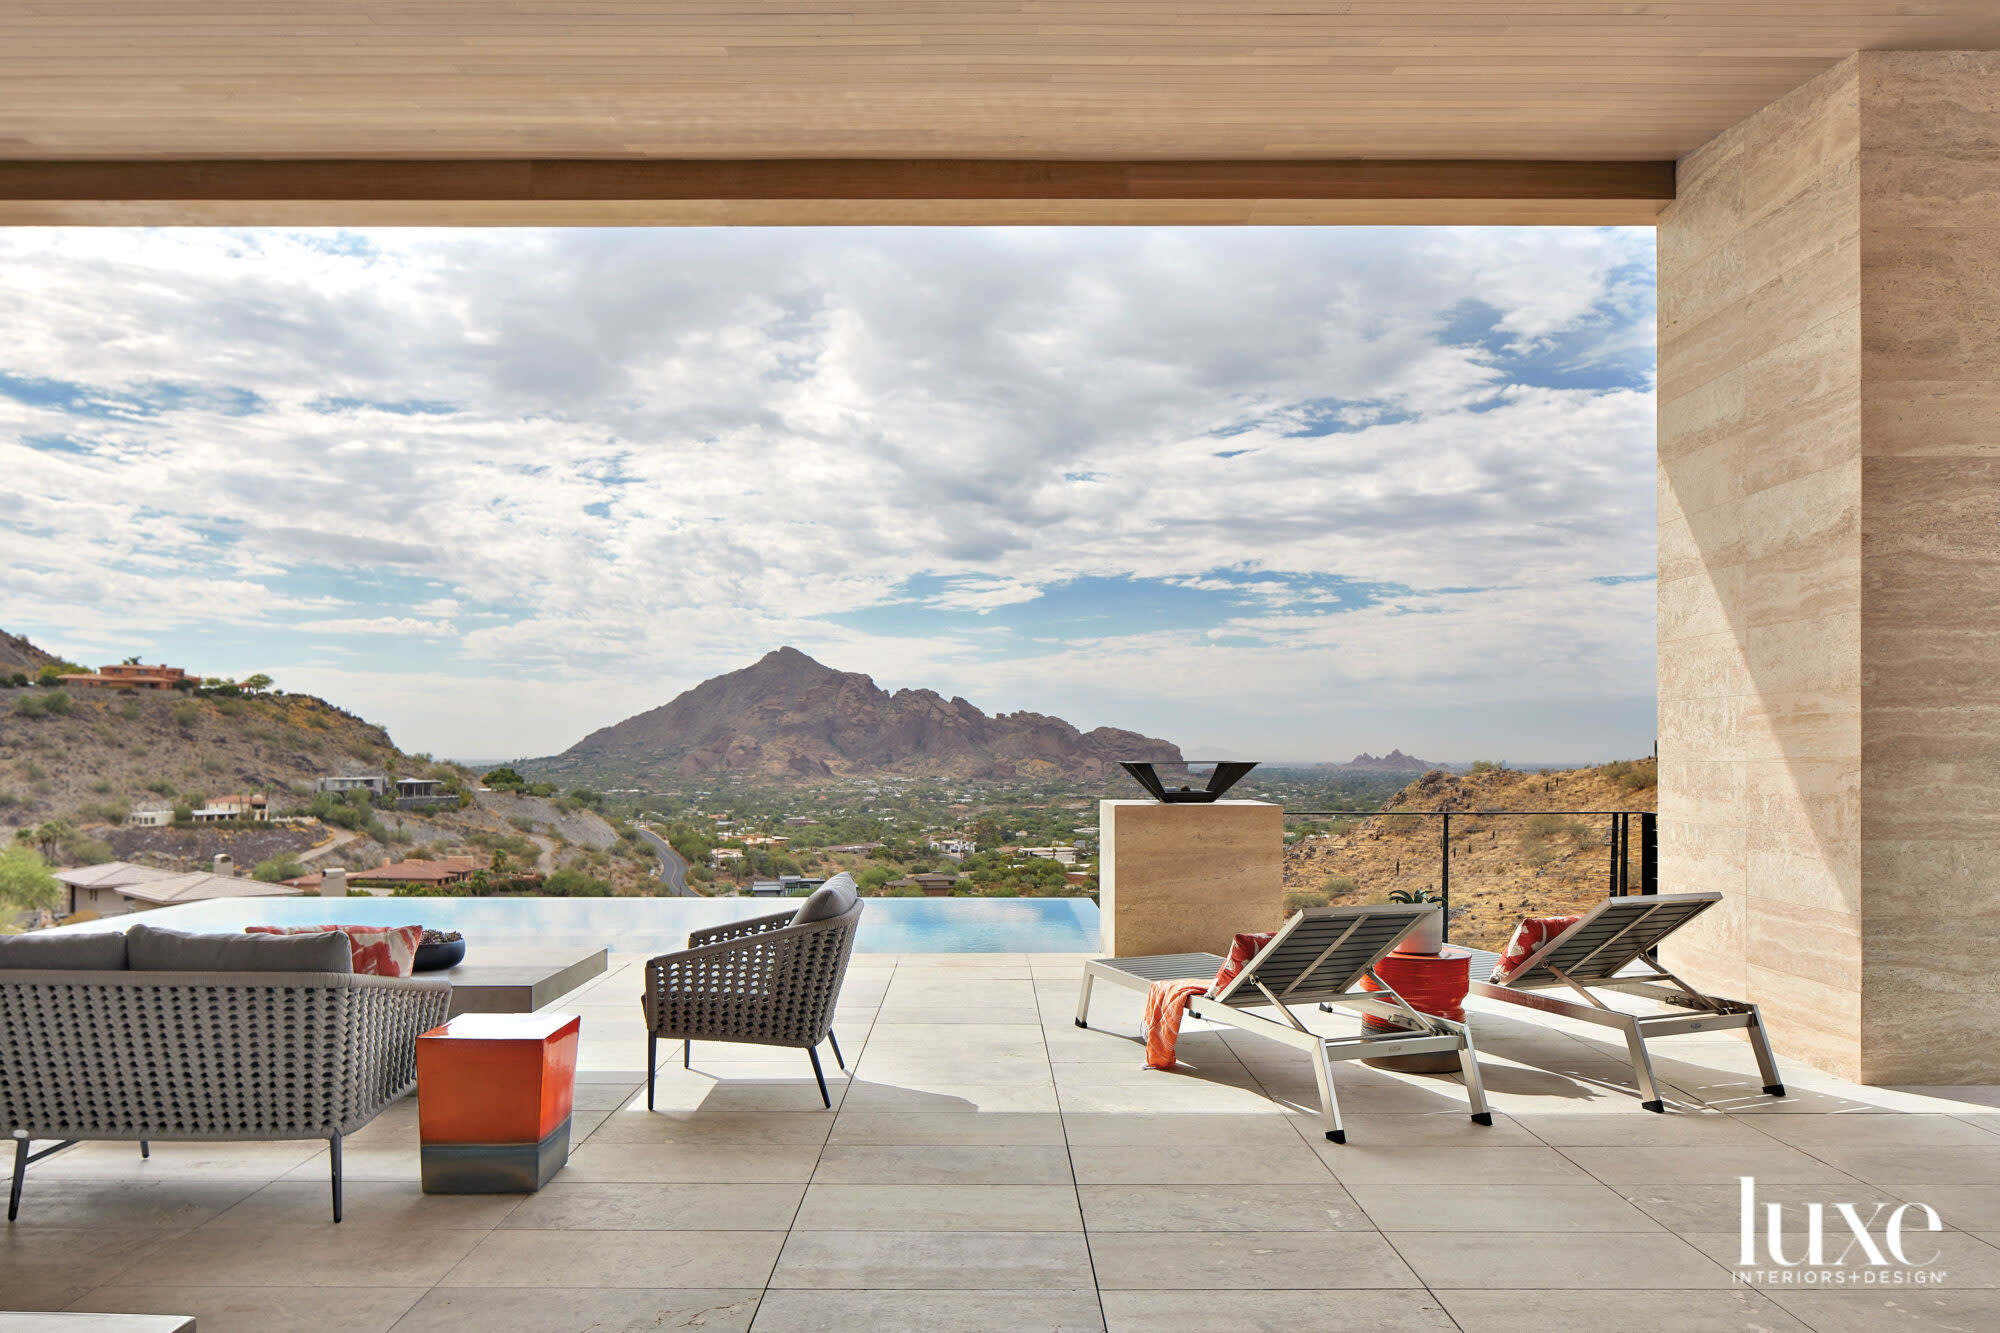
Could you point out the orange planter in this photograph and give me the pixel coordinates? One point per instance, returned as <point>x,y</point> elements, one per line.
<point>494,1097</point>
<point>1431,984</point>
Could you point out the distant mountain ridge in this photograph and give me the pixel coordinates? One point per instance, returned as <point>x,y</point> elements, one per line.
<point>787,715</point>
<point>1393,762</point>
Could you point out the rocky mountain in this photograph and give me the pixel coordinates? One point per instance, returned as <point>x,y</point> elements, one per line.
<point>1393,762</point>
<point>17,654</point>
<point>790,716</point>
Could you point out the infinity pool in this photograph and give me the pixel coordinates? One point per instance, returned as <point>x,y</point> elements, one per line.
<point>657,925</point>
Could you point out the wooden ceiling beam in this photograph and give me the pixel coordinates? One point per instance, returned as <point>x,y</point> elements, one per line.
<point>618,191</point>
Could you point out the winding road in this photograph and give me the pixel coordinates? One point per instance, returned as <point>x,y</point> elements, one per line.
<point>673,869</point>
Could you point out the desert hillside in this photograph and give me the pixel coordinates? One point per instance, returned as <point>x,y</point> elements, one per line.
<point>1533,861</point>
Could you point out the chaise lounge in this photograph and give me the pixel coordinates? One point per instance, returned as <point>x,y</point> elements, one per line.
<point>1595,955</point>
<point>1320,955</point>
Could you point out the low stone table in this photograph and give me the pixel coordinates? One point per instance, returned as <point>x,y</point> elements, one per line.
<point>500,980</point>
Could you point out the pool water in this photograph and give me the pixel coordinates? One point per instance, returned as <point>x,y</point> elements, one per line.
<point>659,925</point>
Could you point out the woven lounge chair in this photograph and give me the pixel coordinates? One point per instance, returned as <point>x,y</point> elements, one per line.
<point>1319,956</point>
<point>770,981</point>
<point>1595,955</point>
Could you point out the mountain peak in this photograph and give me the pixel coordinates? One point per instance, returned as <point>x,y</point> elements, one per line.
<point>789,715</point>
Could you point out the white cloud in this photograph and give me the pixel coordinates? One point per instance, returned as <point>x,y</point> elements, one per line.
<point>623,460</point>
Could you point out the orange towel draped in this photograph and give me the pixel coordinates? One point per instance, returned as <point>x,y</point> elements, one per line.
<point>1167,1001</point>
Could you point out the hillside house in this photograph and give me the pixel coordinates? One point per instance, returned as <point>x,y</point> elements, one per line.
<point>1060,855</point>
<point>158,817</point>
<point>376,784</point>
<point>130,676</point>
<point>115,888</point>
<point>931,882</point>
<point>722,856</point>
<point>254,808</point>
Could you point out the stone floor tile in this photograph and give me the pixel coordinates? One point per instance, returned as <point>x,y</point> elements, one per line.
<point>1358,1161</point>
<point>697,1259</point>
<point>367,1204</point>
<point>934,1260</point>
<point>1822,1134</point>
<point>321,1255</point>
<point>176,1204</point>
<point>1533,1262</point>
<point>599,1310</point>
<point>1165,1129</point>
<point>1246,1260</point>
<point>1221,1207</point>
<point>638,1125</point>
<point>564,1205</point>
<point>1274,1312</point>
<point>928,1312</point>
<point>1968,1166</point>
<point>879,1164</point>
<point>1967,1260</point>
<point>1962,1207</point>
<point>1630,1127</point>
<point>209,1162</point>
<point>956,1066</point>
<point>607,1096</point>
<point>361,1308</point>
<point>958,1207</point>
<point>693,1162</point>
<point>1586,1207</point>
<point>1515,1311</point>
<point>1202,1164</point>
<point>947,1097</point>
<point>1444,1129</point>
<point>918,1128</point>
<point>1719,1207</point>
<point>1910,1310</point>
<point>1719,1163</point>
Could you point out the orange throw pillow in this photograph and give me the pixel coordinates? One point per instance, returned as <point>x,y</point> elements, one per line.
<point>1529,936</point>
<point>1241,950</point>
<point>379,951</point>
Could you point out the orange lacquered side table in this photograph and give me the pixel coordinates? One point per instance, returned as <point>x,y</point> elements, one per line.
<point>494,1095</point>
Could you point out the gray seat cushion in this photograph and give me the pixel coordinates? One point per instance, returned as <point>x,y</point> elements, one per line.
<point>157,949</point>
<point>828,901</point>
<point>83,951</point>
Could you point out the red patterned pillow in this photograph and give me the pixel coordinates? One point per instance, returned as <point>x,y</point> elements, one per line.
<point>1241,950</point>
<point>379,951</point>
<point>1530,935</point>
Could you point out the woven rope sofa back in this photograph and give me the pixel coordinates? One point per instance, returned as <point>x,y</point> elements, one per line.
<point>206,1055</point>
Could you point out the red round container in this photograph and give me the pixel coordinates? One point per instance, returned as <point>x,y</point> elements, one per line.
<point>1431,984</point>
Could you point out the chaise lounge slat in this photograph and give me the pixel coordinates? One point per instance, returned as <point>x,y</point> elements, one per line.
<point>1320,955</point>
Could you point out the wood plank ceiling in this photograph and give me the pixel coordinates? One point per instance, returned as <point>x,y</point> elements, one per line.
<point>1108,81</point>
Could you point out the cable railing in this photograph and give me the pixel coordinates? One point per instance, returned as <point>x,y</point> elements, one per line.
<point>1632,864</point>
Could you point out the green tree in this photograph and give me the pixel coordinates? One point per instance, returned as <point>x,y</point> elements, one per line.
<point>503,778</point>
<point>25,881</point>
<point>278,868</point>
<point>987,834</point>
<point>258,683</point>
<point>48,837</point>
<point>50,676</point>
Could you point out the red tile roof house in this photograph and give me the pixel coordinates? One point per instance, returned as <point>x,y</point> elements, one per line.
<point>450,870</point>
<point>131,676</point>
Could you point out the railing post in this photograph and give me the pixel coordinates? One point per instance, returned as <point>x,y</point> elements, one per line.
<point>1649,852</point>
<point>1611,888</point>
<point>1444,877</point>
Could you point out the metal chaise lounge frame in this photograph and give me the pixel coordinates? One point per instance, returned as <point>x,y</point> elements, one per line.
<point>1319,956</point>
<point>1594,955</point>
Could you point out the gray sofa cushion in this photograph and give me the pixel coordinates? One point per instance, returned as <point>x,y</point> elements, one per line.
<point>157,949</point>
<point>85,951</point>
<point>828,901</point>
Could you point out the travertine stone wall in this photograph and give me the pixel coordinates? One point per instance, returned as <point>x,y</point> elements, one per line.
<point>1830,564</point>
<point>1186,878</point>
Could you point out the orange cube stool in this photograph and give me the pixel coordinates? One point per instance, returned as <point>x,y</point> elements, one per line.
<point>494,1096</point>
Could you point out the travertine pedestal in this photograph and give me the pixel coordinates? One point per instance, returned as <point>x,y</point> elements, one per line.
<point>1185,878</point>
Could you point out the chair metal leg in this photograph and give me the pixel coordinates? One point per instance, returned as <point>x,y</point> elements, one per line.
<point>824,1095</point>
<point>1083,1002</point>
<point>333,1150</point>
<point>1760,1045</point>
<point>145,1150</point>
<point>835,1043</point>
<point>687,1053</point>
<point>20,1177</point>
<point>1329,1102</point>
<point>1642,1069</point>
<point>652,1067</point>
<point>1475,1087</point>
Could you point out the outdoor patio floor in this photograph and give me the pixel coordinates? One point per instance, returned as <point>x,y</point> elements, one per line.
<point>991,1166</point>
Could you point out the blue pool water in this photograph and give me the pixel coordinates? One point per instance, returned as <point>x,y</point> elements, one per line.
<point>658,925</point>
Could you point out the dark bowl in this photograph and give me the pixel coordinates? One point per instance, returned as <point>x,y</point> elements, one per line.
<point>438,957</point>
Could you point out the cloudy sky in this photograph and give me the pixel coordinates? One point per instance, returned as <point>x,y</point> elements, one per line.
<point>1287,493</point>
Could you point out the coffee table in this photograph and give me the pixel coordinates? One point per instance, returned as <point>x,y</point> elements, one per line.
<point>500,980</point>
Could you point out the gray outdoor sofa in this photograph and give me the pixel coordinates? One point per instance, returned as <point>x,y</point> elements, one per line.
<point>156,1034</point>
<point>769,981</point>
